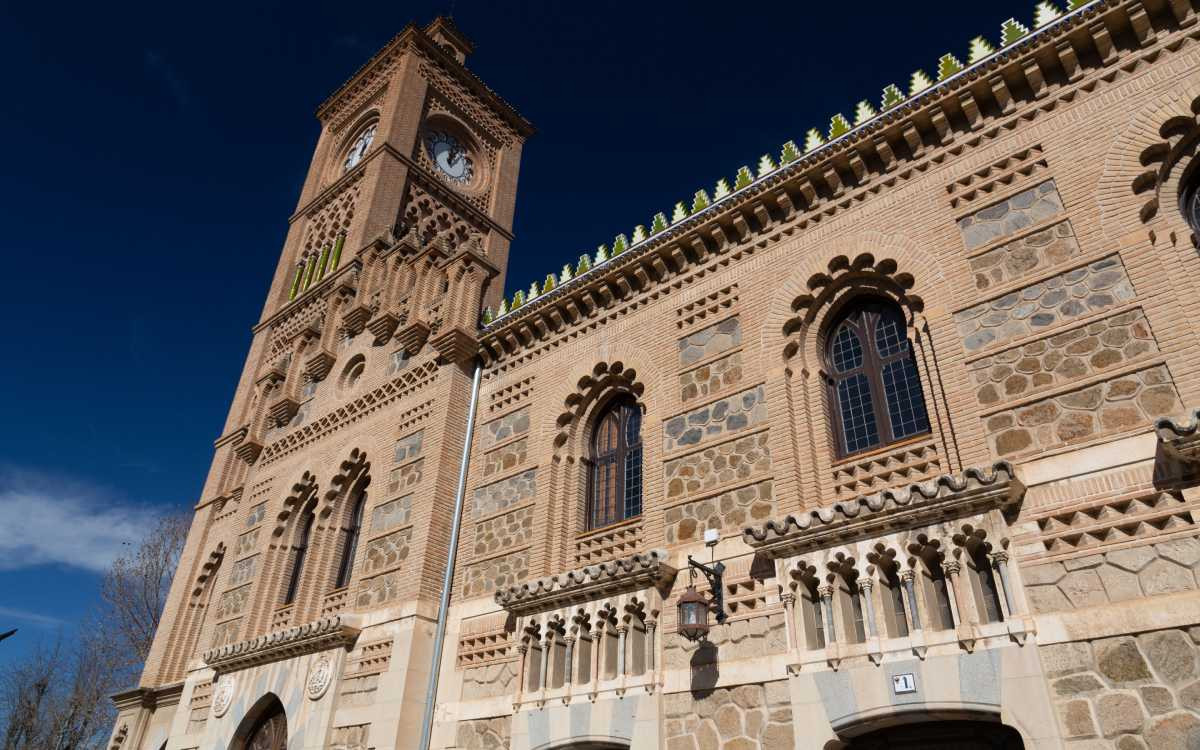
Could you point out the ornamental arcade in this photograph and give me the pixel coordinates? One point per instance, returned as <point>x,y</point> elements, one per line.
<point>890,440</point>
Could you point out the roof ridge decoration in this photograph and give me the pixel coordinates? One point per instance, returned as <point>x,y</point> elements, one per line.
<point>970,491</point>
<point>1180,436</point>
<point>637,571</point>
<point>980,53</point>
<point>337,631</point>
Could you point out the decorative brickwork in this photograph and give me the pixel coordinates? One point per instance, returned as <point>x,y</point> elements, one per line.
<point>391,514</point>
<point>503,459</point>
<point>1012,260</point>
<point>490,575</point>
<point>731,414</point>
<point>715,376</point>
<point>748,716</point>
<point>1062,358</point>
<point>1011,215</point>
<point>720,464</point>
<point>1061,298</point>
<point>710,341</point>
<point>728,511</point>
<point>499,430</point>
<point>497,496</point>
<point>1082,527</point>
<point>1113,406</point>
<point>1116,576</point>
<point>386,552</point>
<point>504,532</point>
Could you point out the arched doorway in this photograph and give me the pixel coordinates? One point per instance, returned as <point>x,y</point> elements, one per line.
<point>940,735</point>
<point>265,727</point>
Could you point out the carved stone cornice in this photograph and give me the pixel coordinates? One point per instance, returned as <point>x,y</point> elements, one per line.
<point>1180,439</point>
<point>950,495</point>
<point>639,571</point>
<point>338,631</point>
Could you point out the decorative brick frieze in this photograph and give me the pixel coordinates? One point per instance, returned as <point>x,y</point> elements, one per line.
<point>495,497</point>
<point>1062,358</point>
<point>513,529</point>
<point>731,414</point>
<point>608,543</point>
<point>1118,405</point>
<point>499,430</point>
<point>710,341</point>
<point>733,509</point>
<point>912,462</point>
<point>1091,288</point>
<point>1092,526</point>
<point>732,461</point>
<point>386,552</point>
<point>1010,215</point>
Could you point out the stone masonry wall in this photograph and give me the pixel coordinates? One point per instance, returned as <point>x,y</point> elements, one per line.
<point>1062,358</point>
<point>489,681</point>
<point>728,462</point>
<point>710,341</point>
<point>1092,288</point>
<point>737,412</point>
<point>497,496</point>
<point>483,734</point>
<point>386,552</point>
<point>740,718</point>
<point>391,514</point>
<point>1123,574</point>
<point>503,459</point>
<point>1012,260</point>
<point>503,532</point>
<point>1010,215</point>
<point>501,429</point>
<point>1116,405</point>
<point>715,376</point>
<point>379,590</point>
<point>405,477</point>
<point>487,576</point>
<point>1129,692</point>
<point>731,510</point>
<point>747,638</point>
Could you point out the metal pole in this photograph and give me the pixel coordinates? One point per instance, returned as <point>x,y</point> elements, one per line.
<point>448,578</point>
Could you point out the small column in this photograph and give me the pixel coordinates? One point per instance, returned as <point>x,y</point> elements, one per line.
<point>909,577</point>
<point>622,630</point>
<point>864,591</point>
<point>952,568</point>
<point>789,608</point>
<point>547,642</point>
<point>569,677</point>
<point>523,650</point>
<point>1000,560</point>
<point>651,644</point>
<point>826,593</point>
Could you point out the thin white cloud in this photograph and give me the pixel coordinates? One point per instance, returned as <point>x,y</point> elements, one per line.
<point>33,618</point>
<point>48,520</point>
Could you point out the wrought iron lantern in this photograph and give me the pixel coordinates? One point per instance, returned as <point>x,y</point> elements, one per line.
<point>694,607</point>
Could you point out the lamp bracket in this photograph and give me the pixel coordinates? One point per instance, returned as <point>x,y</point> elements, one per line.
<point>715,575</point>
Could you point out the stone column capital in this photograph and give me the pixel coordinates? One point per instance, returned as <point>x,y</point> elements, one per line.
<point>908,575</point>
<point>788,598</point>
<point>952,567</point>
<point>826,592</point>
<point>1000,556</point>
<point>865,584</point>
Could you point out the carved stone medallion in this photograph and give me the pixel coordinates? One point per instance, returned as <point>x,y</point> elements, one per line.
<point>223,695</point>
<point>320,674</point>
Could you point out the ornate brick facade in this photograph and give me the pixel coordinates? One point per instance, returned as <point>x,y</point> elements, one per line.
<point>987,533</point>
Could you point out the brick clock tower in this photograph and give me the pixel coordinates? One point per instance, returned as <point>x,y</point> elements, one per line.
<point>329,503</point>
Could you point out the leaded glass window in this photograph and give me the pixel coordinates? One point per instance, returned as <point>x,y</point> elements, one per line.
<point>615,479</point>
<point>875,388</point>
<point>350,540</point>
<point>299,552</point>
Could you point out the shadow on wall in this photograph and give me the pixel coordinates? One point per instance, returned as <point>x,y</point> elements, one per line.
<point>705,670</point>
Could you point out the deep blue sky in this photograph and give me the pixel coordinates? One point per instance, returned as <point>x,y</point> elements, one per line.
<point>155,151</point>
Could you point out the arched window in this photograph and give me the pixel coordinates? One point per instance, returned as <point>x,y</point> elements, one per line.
<point>615,482</point>
<point>299,552</point>
<point>1189,199</point>
<point>350,541</point>
<point>874,386</point>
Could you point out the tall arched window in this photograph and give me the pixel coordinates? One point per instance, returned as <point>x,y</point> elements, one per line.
<point>874,385</point>
<point>350,539</point>
<point>615,481</point>
<point>1189,199</point>
<point>299,552</point>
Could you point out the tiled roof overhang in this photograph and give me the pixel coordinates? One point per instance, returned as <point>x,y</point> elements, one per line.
<point>633,573</point>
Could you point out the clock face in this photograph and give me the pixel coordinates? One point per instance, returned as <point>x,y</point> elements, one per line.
<point>450,157</point>
<point>359,148</point>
